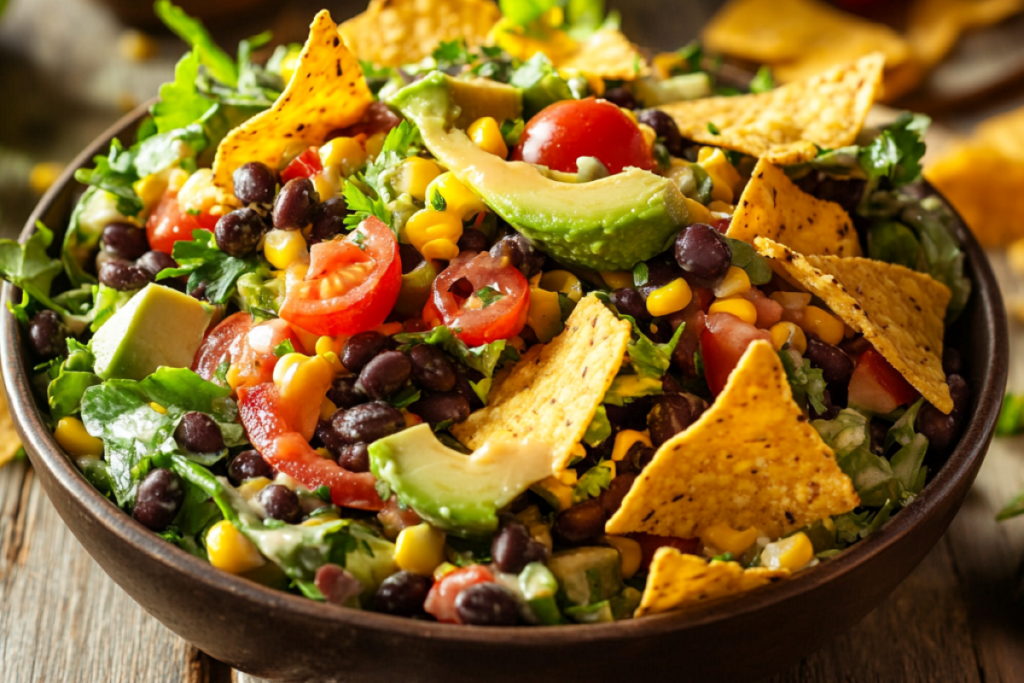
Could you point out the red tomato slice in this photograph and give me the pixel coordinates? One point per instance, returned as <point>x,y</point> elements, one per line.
<point>440,600</point>
<point>306,165</point>
<point>722,343</point>
<point>216,348</point>
<point>168,224</point>
<point>877,386</point>
<point>253,352</point>
<point>565,131</point>
<point>352,284</point>
<point>499,314</point>
<point>649,544</point>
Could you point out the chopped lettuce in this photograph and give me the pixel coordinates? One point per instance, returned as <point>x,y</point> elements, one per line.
<point>593,481</point>
<point>485,359</point>
<point>807,383</point>
<point>29,267</point>
<point>650,359</point>
<point>627,388</point>
<point>599,428</point>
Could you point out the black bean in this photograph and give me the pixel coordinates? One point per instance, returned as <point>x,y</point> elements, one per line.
<point>879,429</point>
<point>447,406</point>
<point>410,258</point>
<point>355,457</point>
<point>154,261</point>
<point>636,459</point>
<point>431,369</point>
<point>240,231</point>
<point>462,385</point>
<point>125,240</point>
<point>611,498</point>
<point>249,465</point>
<point>579,524</point>
<point>158,499</point>
<point>942,430</point>
<point>123,276</point>
<point>513,549</point>
<point>198,433</point>
<point>520,253</point>
<point>671,414</point>
<point>367,422</point>
<point>385,375</point>
<point>344,393</point>
<point>952,361</point>
<point>700,252</point>
<point>295,204</point>
<point>831,410</point>
<point>48,335</point>
<point>630,302</point>
<point>327,436</point>
<point>199,292</point>
<point>280,502</point>
<point>328,221</point>
<point>661,270</point>
<point>402,594</point>
<point>960,393</point>
<point>487,604</point>
<point>473,240</point>
<point>255,183</point>
<point>621,97</point>
<point>665,127</point>
<point>836,366</point>
<point>361,348</point>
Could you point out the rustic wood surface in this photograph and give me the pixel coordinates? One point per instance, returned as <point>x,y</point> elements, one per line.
<point>958,617</point>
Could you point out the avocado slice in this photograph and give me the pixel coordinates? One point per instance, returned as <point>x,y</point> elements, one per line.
<point>478,97</point>
<point>158,327</point>
<point>608,224</point>
<point>587,575</point>
<point>457,493</point>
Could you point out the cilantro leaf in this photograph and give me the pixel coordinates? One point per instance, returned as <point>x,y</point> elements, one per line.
<point>807,383</point>
<point>488,295</point>
<point>284,348</point>
<point>593,481</point>
<point>650,359</point>
<point>897,150</point>
<point>451,53</point>
<point>180,103</point>
<point>362,206</point>
<point>512,130</point>
<point>484,359</point>
<point>713,129</point>
<point>202,261</point>
<point>437,201</point>
<point>744,256</point>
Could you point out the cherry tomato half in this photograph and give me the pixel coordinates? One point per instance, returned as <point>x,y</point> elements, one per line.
<point>352,284</point>
<point>252,353</point>
<point>306,165</point>
<point>565,131</point>
<point>216,348</point>
<point>877,386</point>
<point>440,600</point>
<point>722,343</point>
<point>482,297</point>
<point>168,224</point>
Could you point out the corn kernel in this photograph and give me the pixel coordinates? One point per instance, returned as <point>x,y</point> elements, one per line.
<point>324,453</point>
<point>427,226</point>
<point>285,247</point>
<point>308,380</point>
<point>344,153</point>
<point>650,136</point>
<point>567,476</point>
<point>791,553</point>
<point>596,85</point>
<point>230,550</point>
<point>177,179</point>
<point>562,281</point>
<point>735,282</point>
<point>675,296</point>
<point>724,176</point>
<point>728,540</point>
<point>136,46</point>
<point>544,314</point>
<point>741,308</point>
<point>665,63</point>
<point>787,333</point>
<point>630,553</point>
<point>716,206</point>
<point>415,175</point>
<point>459,200</point>
<point>321,519</point>
<point>248,489</point>
<point>829,328</point>
<point>443,570</point>
<point>327,408</point>
<point>158,408</point>
<point>327,184</point>
<point>560,491</point>
<point>698,213</point>
<point>234,376</point>
<point>419,549</point>
<point>374,144</point>
<point>325,345</point>
<point>151,188</point>
<point>792,301</point>
<point>440,250</point>
<point>617,279</point>
<point>625,440</point>
<point>486,134</point>
<point>72,437</point>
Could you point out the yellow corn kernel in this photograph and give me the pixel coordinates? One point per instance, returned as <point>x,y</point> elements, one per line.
<point>562,492</point>
<point>728,540</point>
<point>177,178</point>
<point>735,282</point>
<point>230,550</point>
<point>158,408</point>
<point>426,226</point>
<point>440,250</point>
<point>675,296</point>
<point>285,247</point>
<point>544,315</point>
<point>567,476</point>
<point>343,153</point>
<point>374,144</point>
<point>459,200</point>
<point>629,553</point>
<point>596,85</point>
<point>410,419</point>
<point>419,549</point>
<point>716,206</point>
<point>665,63</point>
<point>443,570</point>
<point>724,176</point>
<point>741,308</point>
<point>562,281</point>
<point>151,188</point>
<point>791,553</point>
<point>793,301</point>
<point>415,175</point>
<point>617,279</point>
<point>625,440</point>
<point>325,345</point>
<point>698,213</point>
<point>389,329</point>
<point>233,376</point>
<point>822,323</point>
<point>307,380</point>
<point>787,333</point>
<point>324,453</point>
<point>327,185</point>
<point>327,408</point>
<point>518,344</point>
<point>486,134</point>
<point>248,489</point>
<point>72,437</point>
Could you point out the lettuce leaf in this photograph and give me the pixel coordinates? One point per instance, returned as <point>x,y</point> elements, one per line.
<point>485,359</point>
<point>807,383</point>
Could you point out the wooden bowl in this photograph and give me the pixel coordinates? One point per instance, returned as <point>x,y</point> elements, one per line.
<point>284,637</point>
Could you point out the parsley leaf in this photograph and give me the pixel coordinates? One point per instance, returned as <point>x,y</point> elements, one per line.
<point>362,206</point>
<point>593,481</point>
<point>896,152</point>
<point>437,201</point>
<point>744,256</point>
<point>451,53</point>
<point>202,261</point>
<point>488,295</point>
<point>650,359</point>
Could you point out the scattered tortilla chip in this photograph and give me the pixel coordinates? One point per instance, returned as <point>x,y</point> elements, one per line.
<point>751,460</point>
<point>772,206</point>
<point>327,92</point>
<point>933,26</point>
<point>678,581</point>
<point>785,124</point>
<point>396,32</point>
<point>553,392</point>
<point>9,440</point>
<point>899,310</point>
<point>608,54</point>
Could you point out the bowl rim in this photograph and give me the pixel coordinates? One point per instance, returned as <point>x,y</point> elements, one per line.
<point>45,452</point>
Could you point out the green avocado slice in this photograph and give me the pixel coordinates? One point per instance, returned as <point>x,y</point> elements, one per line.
<point>607,224</point>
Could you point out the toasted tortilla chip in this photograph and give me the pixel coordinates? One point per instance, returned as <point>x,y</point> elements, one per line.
<point>327,92</point>
<point>752,459</point>
<point>933,26</point>
<point>784,125</point>
<point>678,581</point>
<point>396,32</point>
<point>607,54</point>
<point>772,206</point>
<point>9,440</point>
<point>553,392</point>
<point>899,310</point>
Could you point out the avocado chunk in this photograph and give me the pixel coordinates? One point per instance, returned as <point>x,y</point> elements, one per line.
<point>587,575</point>
<point>608,224</point>
<point>157,327</point>
<point>479,97</point>
<point>458,493</point>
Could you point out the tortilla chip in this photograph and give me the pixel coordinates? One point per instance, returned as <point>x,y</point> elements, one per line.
<point>327,92</point>
<point>607,54</point>
<point>1004,132</point>
<point>785,124</point>
<point>772,206</point>
<point>751,460</point>
<point>9,440</point>
<point>899,310</point>
<point>553,392</point>
<point>679,581</point>
<point>396,32</point>
<point>933,26</point>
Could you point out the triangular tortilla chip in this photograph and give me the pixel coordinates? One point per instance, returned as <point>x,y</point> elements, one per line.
<point>751,460</point>
<point>933,26</point>
<point>327,92</point>
<point>785,124</point>
<point>9,441</point>
<point>553,392</point>
<point>607,54</point>
<point>899,310</point>
<point>678,581</point>
<point>772,206</point>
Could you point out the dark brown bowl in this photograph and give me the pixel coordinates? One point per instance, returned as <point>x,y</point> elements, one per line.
<point>284,637</point>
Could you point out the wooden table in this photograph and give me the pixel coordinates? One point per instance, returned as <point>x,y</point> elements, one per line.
<point>958,617</point>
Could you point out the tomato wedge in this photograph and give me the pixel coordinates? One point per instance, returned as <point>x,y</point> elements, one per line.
<point>722,343</point>
<point>168,224</point>
<point>252,353</point>
<point>306,165</point>
<point>482,297</point>
<point>877,386</point>
<point>216,348</point>
<point>352,284</point>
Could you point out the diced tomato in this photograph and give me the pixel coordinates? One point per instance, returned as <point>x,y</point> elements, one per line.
<point>253,352</point>
<point>484,297</point>
<point>649,544</point>
<point>440,600</point>
<point>877,386</point>
<point>306,165</point>
<point>769,311</point>
<point>216,348</point>
<point>168,224</point>
<point>724,340</point>
<point>352,284</point>
<point>689,341</point>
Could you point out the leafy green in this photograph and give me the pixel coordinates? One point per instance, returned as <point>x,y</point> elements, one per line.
<point>896,152</point>
<point>1012,509</point>
<point>524,12</point>
<point>902,431</point>
<point>29,267</point>
<point>362,206</point>
<point>82,236</point>
<point>165,150</point>
<point>762,81</point>
<point>405,398</point>
<point>713,129</point>
<point>807,383</point>
<point>650,359</point>
<point>115,173</point>
<point>511,131</point>
<point>484,359</point>
<point>744,256</point>
<point>284,348</point>
<point>398,145</point>
<point>593,481</point>
<point>627,388</point>
<point>585,17</point>
<point>893,242</point>
<point>203,261</point>
<point>640,274</point>
<point>488,295</point>
<point>541,84</point>
<point>219,63</point>
<point>599,428</point>
<point>73,376</point>
<point>108,301</point>
<point>1011,417</point>
<point>259,295</point>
